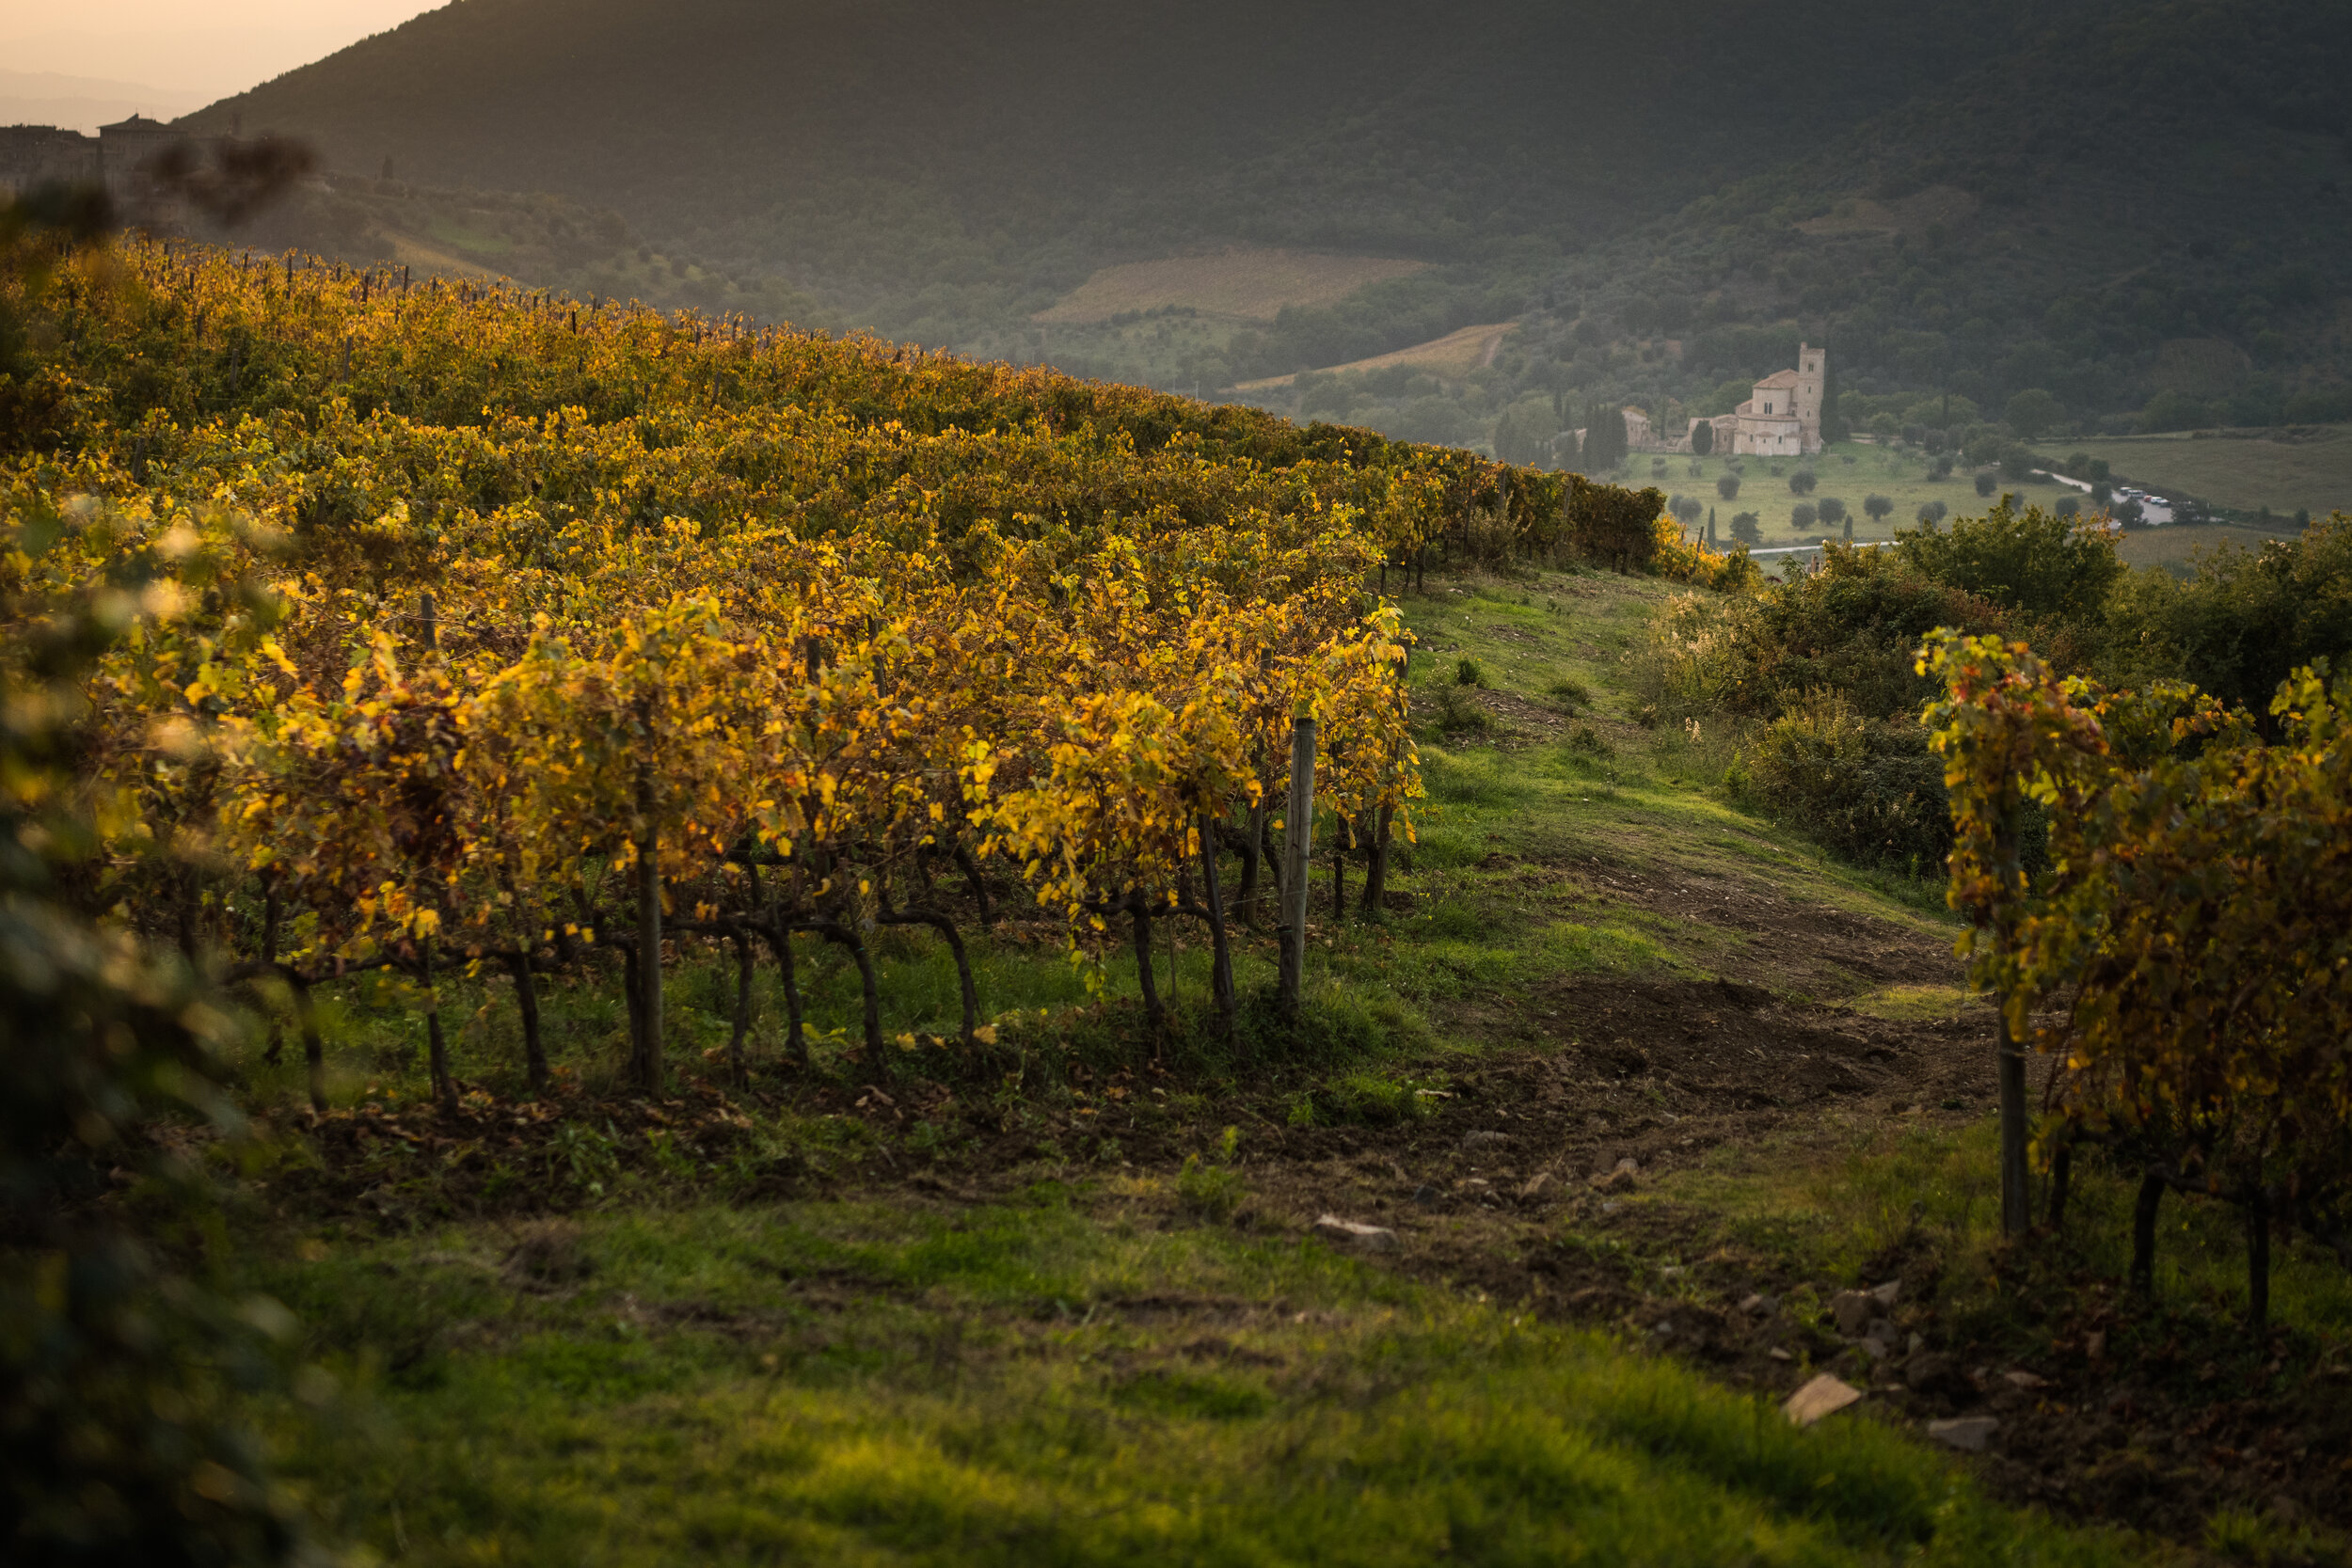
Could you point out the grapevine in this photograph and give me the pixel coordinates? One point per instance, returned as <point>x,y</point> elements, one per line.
<point>491,630</point>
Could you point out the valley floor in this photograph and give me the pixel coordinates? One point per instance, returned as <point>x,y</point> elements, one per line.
<point>1624,1091</point>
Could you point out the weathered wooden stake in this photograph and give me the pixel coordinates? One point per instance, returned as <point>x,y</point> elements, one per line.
<point>1299,832</point>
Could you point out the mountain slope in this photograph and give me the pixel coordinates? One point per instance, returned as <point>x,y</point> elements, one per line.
<point>2132,208</point>
<point>1006,147</point>
<point>2145,202</point>
<point>2141,212</point>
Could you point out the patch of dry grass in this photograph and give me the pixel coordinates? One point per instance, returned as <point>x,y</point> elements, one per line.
<point>1241,283</point>
<point>1452,356</point>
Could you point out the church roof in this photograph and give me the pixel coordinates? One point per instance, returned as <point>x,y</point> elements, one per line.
<point>136,123</point>
<point>1777,380</point>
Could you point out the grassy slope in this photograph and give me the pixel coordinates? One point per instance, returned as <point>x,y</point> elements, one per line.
<point>1064,1356</point>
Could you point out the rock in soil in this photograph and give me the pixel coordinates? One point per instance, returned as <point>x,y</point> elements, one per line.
<point>1968,1433</point>
<point>1368,1238</point>
<point>1929,1372</point>
<point>1825,1395</point>
<point>1623,1179</point>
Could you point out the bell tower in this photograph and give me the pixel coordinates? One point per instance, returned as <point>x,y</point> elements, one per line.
<point>1811,378</point>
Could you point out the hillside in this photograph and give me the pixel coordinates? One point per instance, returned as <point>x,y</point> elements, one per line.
<point>2139,213</point>
<point>2136,209</point>
<point>721,874</point>
<point>934,168</point>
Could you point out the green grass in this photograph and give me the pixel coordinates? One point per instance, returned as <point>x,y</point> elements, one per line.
<point>2239,469</point>
<point>1021,1386</point>
<point>1879,1186</point>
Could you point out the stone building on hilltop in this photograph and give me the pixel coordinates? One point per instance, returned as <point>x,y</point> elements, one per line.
<point>121,157</point>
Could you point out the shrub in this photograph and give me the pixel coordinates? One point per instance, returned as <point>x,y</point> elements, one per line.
<point>1851,628</point>
<point>2033,561</point>
<point>1683,560</point>
<point>1570,693</point>
<point>1728,487</point>
<point>1471,673</point>
<point>2242,622</point>
<point>1459,715</point>
<point>1869,789</point>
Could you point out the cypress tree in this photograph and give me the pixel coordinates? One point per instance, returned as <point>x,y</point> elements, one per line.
<point>1710,528</point>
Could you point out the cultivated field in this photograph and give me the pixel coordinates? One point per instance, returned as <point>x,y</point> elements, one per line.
<point>1244,284</point>
<point>1452,356</point>
<point>2310,471</point>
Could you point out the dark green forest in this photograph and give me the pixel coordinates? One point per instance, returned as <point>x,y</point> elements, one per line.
<point>2137,212</point>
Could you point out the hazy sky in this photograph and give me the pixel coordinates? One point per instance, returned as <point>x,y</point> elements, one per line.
<point>205,49</point>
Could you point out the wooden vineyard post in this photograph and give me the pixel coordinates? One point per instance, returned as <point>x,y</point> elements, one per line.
<point>648,952</point>
<point>2016,1185</point>
<point>1297,845</point>
<point>1213,891</point>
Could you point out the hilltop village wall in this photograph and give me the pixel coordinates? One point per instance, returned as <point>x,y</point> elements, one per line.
<point>119,158</point>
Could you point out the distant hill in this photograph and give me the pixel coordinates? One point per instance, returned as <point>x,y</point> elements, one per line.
<point>2137,209</point>
<point>976,159</point>
<point>2147,208</point>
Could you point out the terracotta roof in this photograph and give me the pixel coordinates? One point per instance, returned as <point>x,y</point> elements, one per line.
<point>1777,380</point>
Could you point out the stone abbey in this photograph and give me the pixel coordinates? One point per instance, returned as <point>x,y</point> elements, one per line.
<point>1781,418</point>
